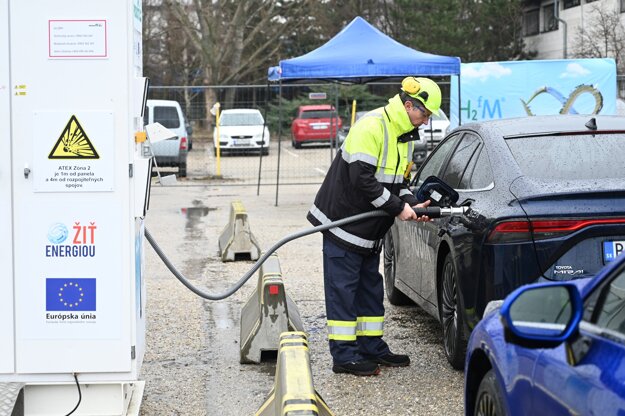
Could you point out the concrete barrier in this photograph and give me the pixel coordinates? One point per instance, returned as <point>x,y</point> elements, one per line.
<point>236,241</point>
<point>267,313</point>
<point>293,392</point>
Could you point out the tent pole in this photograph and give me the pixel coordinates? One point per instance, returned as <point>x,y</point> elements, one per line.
<point>262,138</point>
<point>459,103</point>
<point>336,106</point>
<point>279,138</point>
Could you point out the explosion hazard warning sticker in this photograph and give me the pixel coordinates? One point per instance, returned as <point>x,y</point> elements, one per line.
<point>73,143</point>
<point>69,161</point>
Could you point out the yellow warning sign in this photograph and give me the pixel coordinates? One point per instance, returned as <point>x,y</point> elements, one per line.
<point>73,143</point>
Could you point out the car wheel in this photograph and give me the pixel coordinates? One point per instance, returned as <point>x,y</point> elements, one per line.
<point>295,143</point>
<point>489,400</point>
<point>451,318</point>
<point>394,295</point>
<point>182,170</point>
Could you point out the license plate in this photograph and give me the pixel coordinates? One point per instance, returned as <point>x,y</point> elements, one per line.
<point>321,126</point>
<point>612,249</point>
<point>241,142</point>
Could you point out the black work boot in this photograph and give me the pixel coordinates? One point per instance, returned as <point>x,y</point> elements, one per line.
<point>358,368</point>
<point>392,360</point>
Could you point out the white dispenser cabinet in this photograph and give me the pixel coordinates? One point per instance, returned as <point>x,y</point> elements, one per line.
<point>73,188</point>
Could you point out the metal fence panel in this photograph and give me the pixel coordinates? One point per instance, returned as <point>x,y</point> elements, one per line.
<point>278,103</point>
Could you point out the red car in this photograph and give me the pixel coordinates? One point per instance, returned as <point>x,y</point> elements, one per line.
<point>314,124</point>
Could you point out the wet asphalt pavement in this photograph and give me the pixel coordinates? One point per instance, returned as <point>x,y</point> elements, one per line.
<point>191,365</point>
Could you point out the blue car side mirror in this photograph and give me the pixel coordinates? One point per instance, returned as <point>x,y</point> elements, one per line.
<point>542,315</point>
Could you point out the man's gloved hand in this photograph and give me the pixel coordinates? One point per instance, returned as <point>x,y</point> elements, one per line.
<point>408,213</point>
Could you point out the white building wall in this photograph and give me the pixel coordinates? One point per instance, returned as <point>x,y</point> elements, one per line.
<point>550,45</point>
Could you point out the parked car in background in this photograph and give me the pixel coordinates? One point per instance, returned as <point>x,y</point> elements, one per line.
<point>315,124</point>
<point>435,131</point>
<point>552,349</point>
<point>241,130</point>
<point>551,194</point>
<point>171,152</point>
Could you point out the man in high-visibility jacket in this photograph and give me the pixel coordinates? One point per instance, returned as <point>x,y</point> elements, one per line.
<point>368,174</point>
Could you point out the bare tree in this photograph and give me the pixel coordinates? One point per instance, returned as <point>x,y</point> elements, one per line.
<point>602,37</point>
<point>235,41</point>
<point>168,59</point>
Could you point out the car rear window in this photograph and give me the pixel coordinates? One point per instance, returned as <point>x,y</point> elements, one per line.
<point>570,156</point>
<point>167,116</point>
<point>318,114</point>
<point>241,119</point>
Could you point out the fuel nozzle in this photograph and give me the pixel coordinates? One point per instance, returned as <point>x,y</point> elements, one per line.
<point>468,217</point>
<point>439,212</point>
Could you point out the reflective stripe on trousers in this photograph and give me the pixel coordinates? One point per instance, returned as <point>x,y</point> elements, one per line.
<point>354,295</point>
<point>365,326</point>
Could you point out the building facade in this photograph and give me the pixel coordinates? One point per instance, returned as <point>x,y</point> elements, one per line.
<point>551,28</point>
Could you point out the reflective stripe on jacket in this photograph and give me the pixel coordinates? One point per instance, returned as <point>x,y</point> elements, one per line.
<point>367,174</point>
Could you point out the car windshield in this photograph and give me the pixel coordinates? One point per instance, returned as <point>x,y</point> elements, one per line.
<point>318,114</point>
<point>572,157</point>
<point>241,119</point>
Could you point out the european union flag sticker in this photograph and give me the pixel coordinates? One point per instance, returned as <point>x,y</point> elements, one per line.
<point>70,294</point>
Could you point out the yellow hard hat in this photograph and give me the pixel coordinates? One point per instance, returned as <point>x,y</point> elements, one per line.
<point>424,90</point>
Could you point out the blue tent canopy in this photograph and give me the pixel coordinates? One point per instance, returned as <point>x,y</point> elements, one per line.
<point>360,53</point>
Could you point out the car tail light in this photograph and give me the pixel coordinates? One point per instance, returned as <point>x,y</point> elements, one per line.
<point>521,230</point>
<point>183,143</point>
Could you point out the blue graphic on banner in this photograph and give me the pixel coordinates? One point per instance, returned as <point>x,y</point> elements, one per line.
<point>70,294</point>
<point>499,90</point>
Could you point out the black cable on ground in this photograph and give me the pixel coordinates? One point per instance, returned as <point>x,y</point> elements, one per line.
<point>79,395</point>
<point>261,260</point>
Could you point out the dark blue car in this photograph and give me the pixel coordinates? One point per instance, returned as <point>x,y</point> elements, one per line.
<point>551,194</point>
<point>553,348</point>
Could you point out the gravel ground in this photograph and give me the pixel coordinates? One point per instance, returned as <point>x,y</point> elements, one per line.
<point>191,365</point>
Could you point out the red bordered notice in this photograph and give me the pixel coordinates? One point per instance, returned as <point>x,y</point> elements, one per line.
<point>77,39</point>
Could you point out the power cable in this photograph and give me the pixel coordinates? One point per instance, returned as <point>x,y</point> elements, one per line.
<point>432,212</point>
<point>261,260</point>
<point>79,395</point>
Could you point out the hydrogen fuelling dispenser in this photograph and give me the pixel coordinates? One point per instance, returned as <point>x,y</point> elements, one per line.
<point>73,194</point>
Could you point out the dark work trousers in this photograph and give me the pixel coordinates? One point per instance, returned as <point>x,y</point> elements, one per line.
<point>353,288</point>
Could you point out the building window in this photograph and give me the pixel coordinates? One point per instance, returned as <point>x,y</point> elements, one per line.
<point>567,4</point>
<point>531,23</point>
<point>622,6</point>
<point>549,18</point>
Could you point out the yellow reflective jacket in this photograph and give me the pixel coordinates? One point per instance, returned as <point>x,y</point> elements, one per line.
<point>367,174</point>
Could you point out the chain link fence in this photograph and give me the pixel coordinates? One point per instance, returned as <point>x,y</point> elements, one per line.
<point>278,103</point>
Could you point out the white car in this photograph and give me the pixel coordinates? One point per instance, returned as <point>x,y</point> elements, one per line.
<point>435,131</point>
<point>241,130</point>
<point>171,152</point>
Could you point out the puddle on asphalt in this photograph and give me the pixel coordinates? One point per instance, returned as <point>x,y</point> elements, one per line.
<point>196,212</point>
<point>222,315</point>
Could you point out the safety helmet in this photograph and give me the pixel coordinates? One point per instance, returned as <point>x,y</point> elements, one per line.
<point>424,90</point>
